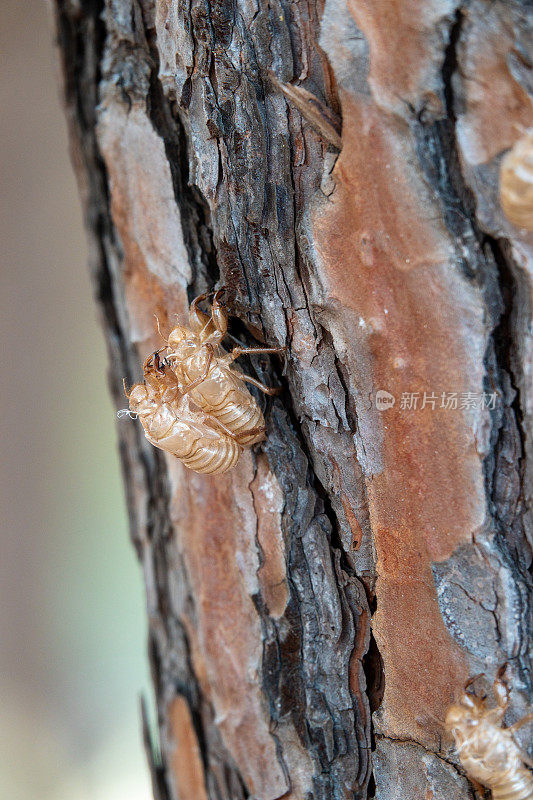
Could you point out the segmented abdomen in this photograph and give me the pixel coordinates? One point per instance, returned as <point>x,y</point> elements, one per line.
<point>519,786</point>
<point>183,432</point>
<point>224,396</point>
<point>209,452</point>
<point>213,459</point>
<point>241,415</point>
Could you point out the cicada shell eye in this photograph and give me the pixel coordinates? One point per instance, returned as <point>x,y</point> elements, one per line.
<point>516,182</point>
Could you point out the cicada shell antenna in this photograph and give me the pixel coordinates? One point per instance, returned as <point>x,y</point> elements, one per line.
<point>159,329</point>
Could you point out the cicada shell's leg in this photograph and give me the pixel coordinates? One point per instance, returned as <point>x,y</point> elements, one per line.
<point>472,680</point>
<point>524,721</point>
<point>125,390</point>
<point>516,726</point>
<point>218,424</point>
<point>270,390</point>
<point>219,315</point>
<point>502,695</point>
<point>217,326</point>
<point>248,434</point>
<point>239,351</point>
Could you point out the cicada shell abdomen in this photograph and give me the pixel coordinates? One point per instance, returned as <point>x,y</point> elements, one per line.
<point>174,426</point>
<point>516,182</point>
<point>224,395</point>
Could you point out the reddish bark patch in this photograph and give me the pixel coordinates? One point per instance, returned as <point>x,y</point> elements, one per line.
<point>385,257</point>
<point>405,43</point>
<point>216,523</point>
<point>185,760</point>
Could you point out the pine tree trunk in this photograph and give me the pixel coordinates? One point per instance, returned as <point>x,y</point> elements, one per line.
<point>313,612</point>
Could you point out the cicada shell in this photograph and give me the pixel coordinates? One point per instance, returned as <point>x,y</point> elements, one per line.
<point>192,404</point>
<point>516,182</point>
<point>487,750</point>
<point>203,369</point>
<point>172,423</point>
<point>183,432</point>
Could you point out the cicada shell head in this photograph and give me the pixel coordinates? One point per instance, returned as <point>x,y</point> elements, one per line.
<point>516,182</point>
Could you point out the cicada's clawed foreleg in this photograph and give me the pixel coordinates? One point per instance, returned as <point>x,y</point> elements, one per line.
<point>125,390</point>
<point>198,320</point>
<point>473,679</point>
<point>501,694</point>
<point>219,315</point>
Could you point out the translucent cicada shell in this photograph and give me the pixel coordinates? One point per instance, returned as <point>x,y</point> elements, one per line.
<point>172,422</point>
<point>204,369</point>
<point>487,750</point>
<point>516,182</point>
<point>193,403</point>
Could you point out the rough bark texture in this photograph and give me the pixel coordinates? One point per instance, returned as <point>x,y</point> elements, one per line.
<point>359,561</point>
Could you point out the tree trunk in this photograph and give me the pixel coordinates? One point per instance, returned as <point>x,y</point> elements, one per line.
<point>313,612</point>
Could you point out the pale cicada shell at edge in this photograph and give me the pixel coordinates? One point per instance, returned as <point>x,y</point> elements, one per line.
<point>172,424</point>
<point>516,182</point>
<point>487,750</point>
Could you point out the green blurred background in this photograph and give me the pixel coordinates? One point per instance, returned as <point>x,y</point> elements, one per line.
<point>72,618</point>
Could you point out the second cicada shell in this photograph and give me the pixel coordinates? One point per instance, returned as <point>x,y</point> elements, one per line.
<point>171,422</point>
<point>207,372</point>
<point>487,750</point>
<point>516,182</point>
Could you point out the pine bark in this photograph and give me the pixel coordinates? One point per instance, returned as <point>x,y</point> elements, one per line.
<point>313,612</point>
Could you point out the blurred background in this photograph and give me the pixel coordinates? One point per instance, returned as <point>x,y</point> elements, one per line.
<point>72,617</point>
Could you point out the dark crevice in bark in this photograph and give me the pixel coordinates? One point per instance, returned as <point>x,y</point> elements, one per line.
<point>194,210</point>
<point>508,499</point>
<point>291,656</point>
